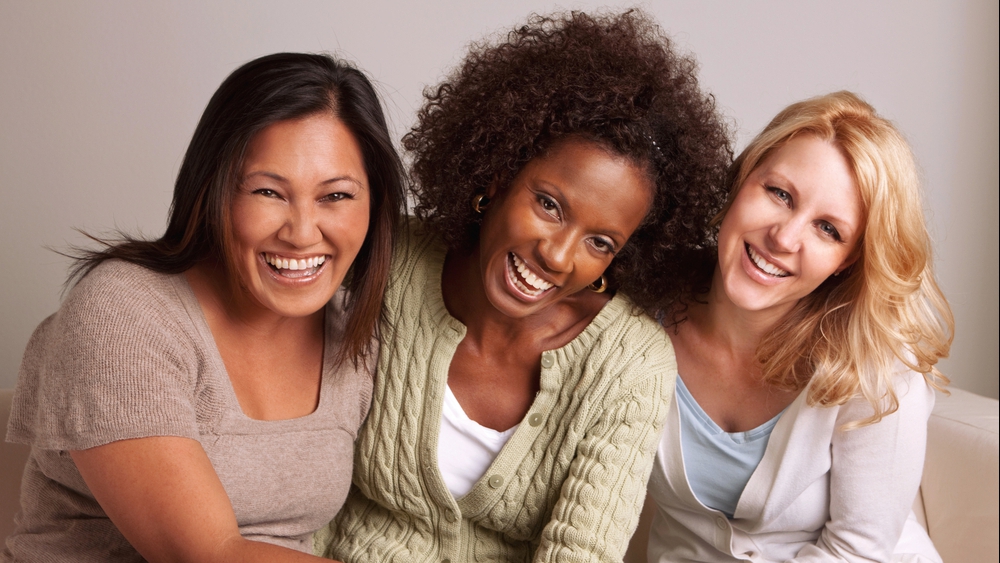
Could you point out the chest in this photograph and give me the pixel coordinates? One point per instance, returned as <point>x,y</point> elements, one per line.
<point>730,390</point>
<point>285,478</point>
<point>495,385</point>
<point>785,502</point>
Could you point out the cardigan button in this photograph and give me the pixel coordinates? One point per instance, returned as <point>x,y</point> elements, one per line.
<point>446,561</point>
<point>721,523</point>
<point>535,419</point>
<point>548,360</point>
<point>495,481</point>
<point>449,515</point>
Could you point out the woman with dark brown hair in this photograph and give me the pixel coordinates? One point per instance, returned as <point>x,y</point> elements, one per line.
<point>174,402</point>
<point>565,176</point>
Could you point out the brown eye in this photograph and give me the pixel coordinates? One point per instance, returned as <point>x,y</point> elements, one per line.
<point>602,245</point>
<point>337,196</point>
<point>548,205</point>
<point>265,192</point>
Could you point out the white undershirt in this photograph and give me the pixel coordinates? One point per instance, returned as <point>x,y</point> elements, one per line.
<point>465,448</point>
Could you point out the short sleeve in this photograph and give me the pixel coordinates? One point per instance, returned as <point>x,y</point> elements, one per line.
<point>117,361</point>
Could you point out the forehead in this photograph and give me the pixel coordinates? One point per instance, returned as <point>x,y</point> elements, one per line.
<point>596,184</point>
<point>317,138</point>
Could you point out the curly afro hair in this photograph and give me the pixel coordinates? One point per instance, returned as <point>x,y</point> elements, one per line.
<point>614,80</point>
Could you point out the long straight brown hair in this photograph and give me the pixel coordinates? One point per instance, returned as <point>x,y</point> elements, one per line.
<point>264,91</point>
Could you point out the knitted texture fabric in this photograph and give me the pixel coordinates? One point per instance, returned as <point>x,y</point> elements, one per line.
<point>128,355</point>
<point>567,486</point>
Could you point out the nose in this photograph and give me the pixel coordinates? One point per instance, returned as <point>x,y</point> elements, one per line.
<point>301,226</point>
<point>786,236</point>
<point>557,251</point>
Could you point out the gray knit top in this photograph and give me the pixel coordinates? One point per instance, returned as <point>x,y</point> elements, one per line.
<point>130,355</point>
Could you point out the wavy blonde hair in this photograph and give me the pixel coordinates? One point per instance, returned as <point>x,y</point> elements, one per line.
<point>849,333</point>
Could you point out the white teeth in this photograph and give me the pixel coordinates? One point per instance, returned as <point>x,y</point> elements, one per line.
<point>294,264</point>
<point>764,264</point>
<point>528,276</point>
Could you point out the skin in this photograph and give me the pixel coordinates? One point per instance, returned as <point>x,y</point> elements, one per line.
<point>304,194</point>
<point>564,216</point>
<point>800,211</point>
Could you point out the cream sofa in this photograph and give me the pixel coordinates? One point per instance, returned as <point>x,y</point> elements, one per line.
<point>958,500</point>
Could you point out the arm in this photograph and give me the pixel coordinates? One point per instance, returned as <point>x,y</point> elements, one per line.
<point>118,379</point>
<point>874,476</point>
<point>166,499</point>
<point>601,499</point>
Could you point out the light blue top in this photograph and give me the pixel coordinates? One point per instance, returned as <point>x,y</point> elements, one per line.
<point>718,463</point>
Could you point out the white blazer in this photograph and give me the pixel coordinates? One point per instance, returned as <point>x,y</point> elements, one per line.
<point>819,494</point>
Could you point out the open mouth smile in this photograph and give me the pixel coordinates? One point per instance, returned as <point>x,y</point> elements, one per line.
<point>295,268</point>
<point>763,265</point>
<point>526,281</point>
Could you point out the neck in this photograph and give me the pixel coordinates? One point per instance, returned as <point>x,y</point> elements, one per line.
<point>236,310</point>
<point>728,324</point>
<point>466,300</point>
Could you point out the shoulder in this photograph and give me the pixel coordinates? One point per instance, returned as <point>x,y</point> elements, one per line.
<point>121,305</point>
<point>418,256</point>
<point>633,336</point>
<point>117,285</point>
<point>119,359</point>
<point>629,350</point>
<point>415,246</point>
<point>914,394</point>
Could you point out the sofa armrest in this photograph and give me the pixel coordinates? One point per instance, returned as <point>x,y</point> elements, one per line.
<point>961,478</point>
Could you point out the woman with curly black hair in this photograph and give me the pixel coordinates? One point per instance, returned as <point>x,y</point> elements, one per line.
<point>565,180</point>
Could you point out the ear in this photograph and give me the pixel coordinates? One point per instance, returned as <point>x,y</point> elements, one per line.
<point>491,190</point>
<point>848,262</point>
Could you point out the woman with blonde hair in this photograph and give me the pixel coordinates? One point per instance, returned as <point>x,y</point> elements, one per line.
<point>806,369</point>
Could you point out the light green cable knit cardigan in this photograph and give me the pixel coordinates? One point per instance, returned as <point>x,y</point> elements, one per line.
<point>567,486</point>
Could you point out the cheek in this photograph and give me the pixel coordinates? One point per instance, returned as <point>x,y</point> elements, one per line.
<point>825,262</point>
<point>250,223</point>
<point>727,238</point>
<point>347,227</point>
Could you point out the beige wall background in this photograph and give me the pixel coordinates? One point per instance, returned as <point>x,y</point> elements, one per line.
<point>98,101</point>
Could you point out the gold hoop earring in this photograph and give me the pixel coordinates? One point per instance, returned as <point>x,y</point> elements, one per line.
<point>480,203</point>
<point>600,285</point>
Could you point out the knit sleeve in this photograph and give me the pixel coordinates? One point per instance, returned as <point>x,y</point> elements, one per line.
<point>874,476</point>
<point>111,364</point>
<point>600,501</point>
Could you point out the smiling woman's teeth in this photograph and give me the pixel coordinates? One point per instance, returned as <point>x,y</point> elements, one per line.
<point>764,265</point>
<point>293,264</point>
<point>526,278</point>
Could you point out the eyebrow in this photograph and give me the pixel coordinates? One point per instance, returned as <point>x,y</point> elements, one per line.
<point>562,199</point>
<point>280,178</point>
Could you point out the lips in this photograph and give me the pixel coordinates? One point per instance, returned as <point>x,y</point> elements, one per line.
<point>763,265</point>
<point>295,268</point>
<point>525,280</point>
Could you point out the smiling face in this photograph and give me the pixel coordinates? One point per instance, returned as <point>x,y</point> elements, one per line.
<point>558,226</point>
<point>795,221</point>
<point>300,214</point>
